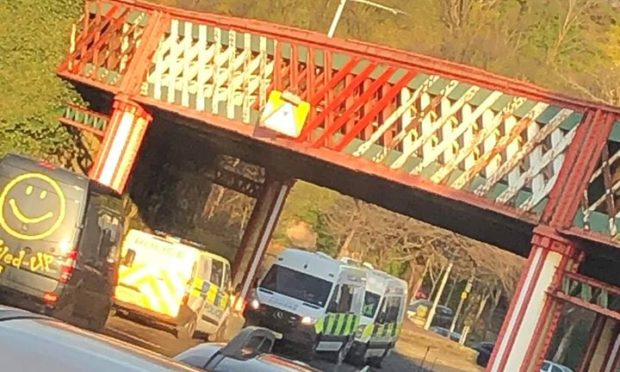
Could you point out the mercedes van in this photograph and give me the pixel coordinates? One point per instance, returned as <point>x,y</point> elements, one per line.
<point>382,318</point>
<point>313,300</point>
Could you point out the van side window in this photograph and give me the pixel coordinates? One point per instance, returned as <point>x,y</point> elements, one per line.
<point>226,282</point>
<point>333,302</point>
<point>217,272</point>
<point>89,241</point>
<point>103,229</point>
<point>111,230</point>
<point>206,268</point>
<point>392,309</point>
<point>342,300</point>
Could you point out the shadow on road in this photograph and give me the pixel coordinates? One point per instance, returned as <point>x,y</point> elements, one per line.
<point>131,339</point>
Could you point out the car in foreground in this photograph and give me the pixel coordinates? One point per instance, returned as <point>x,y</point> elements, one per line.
<point>249,351</point>
<point>35,342</point>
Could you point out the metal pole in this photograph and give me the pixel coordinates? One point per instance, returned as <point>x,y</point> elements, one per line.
<point>338,15</point>
<point>431,313</point>
<point>464,295</point>
<point>450,292</point>
<point>421,366</point>
<point>458,311</point>
<point>336,20</point>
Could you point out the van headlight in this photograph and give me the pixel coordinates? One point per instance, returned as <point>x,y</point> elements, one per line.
<point>360,331</point>
<point>306,320</point>
<point>254,304</point>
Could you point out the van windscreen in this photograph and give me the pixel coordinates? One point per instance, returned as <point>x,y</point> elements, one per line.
<point>298,285</point>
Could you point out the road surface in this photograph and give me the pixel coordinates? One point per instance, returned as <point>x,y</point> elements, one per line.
<point>163,341</point>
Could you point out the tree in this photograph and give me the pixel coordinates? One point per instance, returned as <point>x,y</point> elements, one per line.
<point>33,41</point>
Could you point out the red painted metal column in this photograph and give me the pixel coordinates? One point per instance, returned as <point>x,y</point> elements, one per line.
<point>603,354</point>
<point>533,315</point>
<point>594,349</point>
<point>122,140</point>
<point>258,233</point>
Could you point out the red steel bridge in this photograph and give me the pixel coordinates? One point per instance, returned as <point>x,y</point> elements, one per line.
<point>490,157</point>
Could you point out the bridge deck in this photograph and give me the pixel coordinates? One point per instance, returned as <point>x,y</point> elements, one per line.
<point>490,141</point>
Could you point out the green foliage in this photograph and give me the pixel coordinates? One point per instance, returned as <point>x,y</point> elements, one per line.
<point>306,203</point>
<point>34,38</point>
<point>326,241</point>
<point>557,44</point>
<point>397,268</point>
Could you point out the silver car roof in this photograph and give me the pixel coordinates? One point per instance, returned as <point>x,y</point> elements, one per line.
<point>31,342</point>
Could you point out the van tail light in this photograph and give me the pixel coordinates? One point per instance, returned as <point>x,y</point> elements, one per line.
<point>50,298</point>
<point>47,164</point>
<point>67,268</point>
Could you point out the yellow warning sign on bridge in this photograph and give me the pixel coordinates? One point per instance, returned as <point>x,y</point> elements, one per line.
<point>285,113</point>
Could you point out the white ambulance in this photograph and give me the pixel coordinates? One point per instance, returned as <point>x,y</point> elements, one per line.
<point>313,300</point>
<point>175,282</point>
<point>382,317</point>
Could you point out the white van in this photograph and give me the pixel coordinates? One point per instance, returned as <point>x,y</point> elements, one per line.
<point>382,318</point>
<point>313,300</point>
<point>174,281</point>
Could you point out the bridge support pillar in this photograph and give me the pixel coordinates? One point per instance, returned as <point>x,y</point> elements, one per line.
<point>603,352</point>
<point>533,315</point>
<point>261,225</point>
<point>121,143</point>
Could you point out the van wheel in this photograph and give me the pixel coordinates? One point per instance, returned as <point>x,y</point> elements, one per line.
<point>357,355</point>
<point>376,361</point>
<point>220,335</point>
<point>94,322</point>
<point>344,351</point>
<point>97,323</point>
<point>186,330</point>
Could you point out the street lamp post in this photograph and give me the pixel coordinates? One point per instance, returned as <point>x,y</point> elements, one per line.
<point>433,309</point>
<point>343,3</point>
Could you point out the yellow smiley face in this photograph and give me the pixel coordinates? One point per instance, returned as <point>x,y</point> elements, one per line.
<point>29,211</point>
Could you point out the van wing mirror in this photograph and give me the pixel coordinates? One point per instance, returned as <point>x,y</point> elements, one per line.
<point>129,257</point>
<point>381,317</point>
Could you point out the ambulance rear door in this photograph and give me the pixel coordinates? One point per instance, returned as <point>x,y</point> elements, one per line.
<point>155,273</point>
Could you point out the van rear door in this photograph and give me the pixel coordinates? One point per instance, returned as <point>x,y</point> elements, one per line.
<point>157,276</point>
<point>39,227</point>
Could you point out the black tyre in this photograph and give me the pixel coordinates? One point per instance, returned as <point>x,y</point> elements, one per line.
<point>94,321</point>
<point>341,355</point>
<point>98,323</point>
<point>376,362</point>
<point>357,354</point>
<point>186,329</point>
<point>220,335</point>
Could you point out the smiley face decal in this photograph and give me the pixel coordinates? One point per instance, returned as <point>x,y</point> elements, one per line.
<point>29,211</point>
